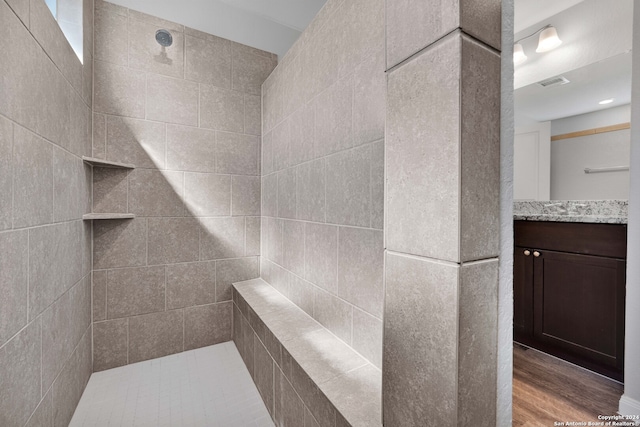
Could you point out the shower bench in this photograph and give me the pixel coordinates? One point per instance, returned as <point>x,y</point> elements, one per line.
<point>305,375</point>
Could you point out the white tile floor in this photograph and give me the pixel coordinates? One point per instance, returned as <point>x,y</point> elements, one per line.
<point>208,387</point>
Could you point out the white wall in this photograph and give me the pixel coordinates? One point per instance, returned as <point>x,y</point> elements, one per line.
<point>596,119</point>
<point>569,158</point>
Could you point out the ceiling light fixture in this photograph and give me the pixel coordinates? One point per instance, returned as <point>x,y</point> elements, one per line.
<point>606,101</point>
<point>547,41</point>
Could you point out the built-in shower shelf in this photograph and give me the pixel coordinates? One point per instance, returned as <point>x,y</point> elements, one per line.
<point>99,216</point>
<point>106,163</point>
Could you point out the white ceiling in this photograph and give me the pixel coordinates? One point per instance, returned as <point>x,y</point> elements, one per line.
<point>271,25</point>
<point>595,56</point>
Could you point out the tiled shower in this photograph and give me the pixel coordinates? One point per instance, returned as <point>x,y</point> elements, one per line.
<point>233,164</point>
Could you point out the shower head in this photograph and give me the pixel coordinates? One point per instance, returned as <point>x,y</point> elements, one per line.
<point>164,38</point>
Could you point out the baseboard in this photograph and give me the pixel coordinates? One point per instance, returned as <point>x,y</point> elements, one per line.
<point>629,406</point>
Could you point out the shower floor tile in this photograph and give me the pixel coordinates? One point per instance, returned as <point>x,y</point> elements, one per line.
<point>208,387</point>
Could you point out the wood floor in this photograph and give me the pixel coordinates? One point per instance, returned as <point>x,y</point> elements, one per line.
<point>548,390</point>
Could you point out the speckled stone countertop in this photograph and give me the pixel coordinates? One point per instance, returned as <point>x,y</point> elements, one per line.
<point>592,211</point>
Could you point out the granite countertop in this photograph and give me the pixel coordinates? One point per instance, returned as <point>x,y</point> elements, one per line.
<point>590,211</point>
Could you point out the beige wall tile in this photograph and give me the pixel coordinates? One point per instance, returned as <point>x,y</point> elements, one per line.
<point>480,151</point>
<point>422,205</point>
<point>43,415</point>
<point>237,154</point>
<point>172,100</point>
<point>269,193</point>
<point>369,99</point>
<point>267,154</point>
<point>6,174</point>
<point>156,193</point>
<point>32,179</point>
<point>309,421</point>
<point>302,293</point>
<point>155,335</point>
<point>118,90</point>
<point>207,194</point>
<point>411,26</point>
<point>55,263</point>
<point>263,374</point>
<point>377,185</point>
<point>289,409</point>
<point>245,199</point>
<point>253,114</point>
<point>35,92</point>
<point>222,238</point>
<point>68,180</point>
<point>69,385</point>
<point>477,343</point>
<point>20,371</point>
<point>349,187</point>
<point>79,139</point>
<point>287,193</point>
<point>21,9</point>
<point>274,240</point>
<point>363,22</point>
<point>229,271</point>
<point>190,284</point>
<point>207,325</point>
<point>310,191</point>
<point>334,314</point>
<point>139,142</point>
<point>191,149</point>
<point>252,236</point>
<point>47,32</point>
<point>110,190</point>
<point>302,134</point>
<point>99,142</point>
<point>134,291</point>
<point>320,407</point>
<point>334,123</point>
<point>249,71</point>
<point>173,240</point>
<point>159,22</point>
<point>364,383</point>
<point>221,109</point>
<point>282,146</point>
<point>118,243</point>
<point>146,54</point>
<point>110,344</point>
<point>293,254</point>
<point>208,60</point>
<point>14,270</point>
<point>272,102</point>
<point>417,290</point>
<point>321,255</point>
<point>111,36</point>
<point>99,295</point>
<point>360,268</point>
<point>367,336</point>
<point>63,325</point>
<point>482,20</point>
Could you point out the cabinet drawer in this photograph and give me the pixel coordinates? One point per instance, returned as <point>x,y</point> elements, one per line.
<point>608,240</point>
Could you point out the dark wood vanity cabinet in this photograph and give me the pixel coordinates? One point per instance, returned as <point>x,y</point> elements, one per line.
<point>569,289</point>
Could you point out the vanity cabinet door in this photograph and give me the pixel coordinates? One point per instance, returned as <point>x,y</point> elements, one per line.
<point>522,293</point>
<point>578,304</point>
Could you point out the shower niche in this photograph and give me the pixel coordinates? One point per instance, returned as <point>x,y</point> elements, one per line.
<point>99,163</point>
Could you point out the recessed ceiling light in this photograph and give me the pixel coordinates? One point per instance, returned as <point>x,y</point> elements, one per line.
<point>606,101</point>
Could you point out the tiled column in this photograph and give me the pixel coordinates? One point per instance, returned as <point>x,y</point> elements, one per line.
<point>442,212</point>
